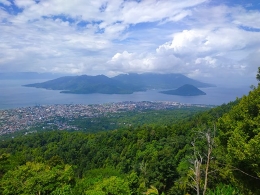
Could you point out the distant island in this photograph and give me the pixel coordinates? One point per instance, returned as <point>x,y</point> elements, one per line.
<point>87,85</point>
<point>185,90</point>
<point>121,84</point>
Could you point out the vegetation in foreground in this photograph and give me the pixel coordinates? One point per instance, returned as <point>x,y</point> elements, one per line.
<point>214,152</point>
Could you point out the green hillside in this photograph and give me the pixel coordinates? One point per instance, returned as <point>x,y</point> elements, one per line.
<point>213,152</point>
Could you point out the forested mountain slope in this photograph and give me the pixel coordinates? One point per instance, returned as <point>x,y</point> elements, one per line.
<point>214,152</point>
<point>239,142</point>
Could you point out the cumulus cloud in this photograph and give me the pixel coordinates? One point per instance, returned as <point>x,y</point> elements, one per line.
<point>126,62</point>
<point>199,53</point>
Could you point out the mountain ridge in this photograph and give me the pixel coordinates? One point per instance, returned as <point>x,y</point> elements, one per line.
<point>121,84</point>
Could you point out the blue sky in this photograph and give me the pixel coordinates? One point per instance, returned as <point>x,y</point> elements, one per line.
<point>215,41</point>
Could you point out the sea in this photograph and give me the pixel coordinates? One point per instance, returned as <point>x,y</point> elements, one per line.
<point>14,95</point>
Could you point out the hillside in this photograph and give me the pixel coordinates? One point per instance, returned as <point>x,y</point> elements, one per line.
<point>185,90</point>
<point>122,84</point>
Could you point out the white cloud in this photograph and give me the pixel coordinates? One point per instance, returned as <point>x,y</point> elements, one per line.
<point>219,42</point>
<point>5,2</point>
<point>251,62</point>
<point>199,53</point>
<point>186,42</point>
<point>146,62</point>
<point>46,30</point>
<point>150,11</point>
<point>206,41</point>
<point>210,17</point>
<point>207,60</point>
<point>108,37</point>
<point>109,12</point>
<point>247,18</point>
<point>24,3</point>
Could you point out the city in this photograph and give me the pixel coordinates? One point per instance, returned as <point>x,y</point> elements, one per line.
<point>13,120</point>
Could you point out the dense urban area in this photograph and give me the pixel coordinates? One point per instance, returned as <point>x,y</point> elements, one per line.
<point>13,120</point>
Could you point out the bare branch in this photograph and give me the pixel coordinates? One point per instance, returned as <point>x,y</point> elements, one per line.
<point>237,169</point>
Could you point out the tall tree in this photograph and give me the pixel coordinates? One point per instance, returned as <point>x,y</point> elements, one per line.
<point>201,165</point>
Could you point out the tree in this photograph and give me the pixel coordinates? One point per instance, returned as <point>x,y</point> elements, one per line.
<point>209,136</point>
<point>198,173</point>
<point>113,185</point>
<point>151,191</point>
<point>5,163</point>
<point>240,141</point>
<point>258,74</point>
<point>224,189</point>
<point>36,178</point>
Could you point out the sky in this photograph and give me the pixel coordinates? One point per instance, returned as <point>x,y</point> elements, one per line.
<point>216,41</point>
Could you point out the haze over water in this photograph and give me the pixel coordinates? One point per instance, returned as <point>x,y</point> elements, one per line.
<point>14,95</point>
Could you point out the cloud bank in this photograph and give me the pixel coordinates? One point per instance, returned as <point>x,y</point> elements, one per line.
<point>211,41</point>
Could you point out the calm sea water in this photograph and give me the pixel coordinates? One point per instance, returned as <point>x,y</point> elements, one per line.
<point>14,95</point>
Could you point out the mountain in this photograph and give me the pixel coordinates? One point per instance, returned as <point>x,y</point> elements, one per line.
<point>121,84</point>
<point>87,84</point>
<point>185,90</point>
<point>160,81</point>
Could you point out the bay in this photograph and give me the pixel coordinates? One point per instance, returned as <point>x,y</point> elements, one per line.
<point>14,95</point>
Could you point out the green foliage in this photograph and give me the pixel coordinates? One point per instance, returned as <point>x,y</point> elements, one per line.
<point>64,190</point>
<point>36,178</point>
<point>112,185</point>
<point>152,191</point>
<point>239,140</point>
<point>94,177</point>
<point>222,189</point>
<point>5,163</point>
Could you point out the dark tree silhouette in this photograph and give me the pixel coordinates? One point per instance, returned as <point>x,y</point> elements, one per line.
<point>258,74</point>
